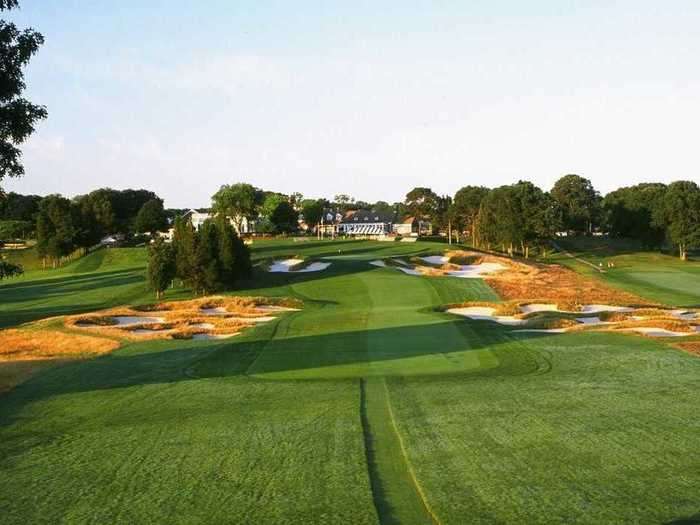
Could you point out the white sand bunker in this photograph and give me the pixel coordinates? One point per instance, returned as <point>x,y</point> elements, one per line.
<point>130,320</point>
<point>208,337</point>
<point>540,331</point>
<point>598,308</point>
<point>379,263</point>
<point>466,271</point>
<point>219,310</point>
<point>684,315</point>
<point>485,313</point>
<point>205,326</point>
<point>657,332</point>
<point>538,307</point>
<point>275,308</point>
<point>287,265</point>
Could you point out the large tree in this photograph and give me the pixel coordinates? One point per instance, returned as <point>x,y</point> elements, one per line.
<point>681,215</point>
<point>465,208</point>
<point>539,215</point>
<point>499,223</point>
<point>422,203</point>
<point>238,202</point>
<point>579,201</point>
<point>151,218</point>
<point>633,211</point>
<point>18,116</point>
<point>55,228</point>
<point>312,212</point>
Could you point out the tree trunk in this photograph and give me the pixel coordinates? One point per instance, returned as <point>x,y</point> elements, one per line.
<point>683,253</point>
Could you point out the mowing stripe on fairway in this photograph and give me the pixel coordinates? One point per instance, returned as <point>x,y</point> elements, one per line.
<point>397,495</point>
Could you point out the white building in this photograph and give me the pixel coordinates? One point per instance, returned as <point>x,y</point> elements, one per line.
<point>197,218</point>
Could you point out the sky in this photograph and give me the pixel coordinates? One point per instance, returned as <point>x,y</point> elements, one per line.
<point>366,98</point>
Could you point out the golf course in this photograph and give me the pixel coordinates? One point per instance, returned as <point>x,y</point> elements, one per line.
<point>367,404</point>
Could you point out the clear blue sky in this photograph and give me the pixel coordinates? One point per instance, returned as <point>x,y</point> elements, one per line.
<point>365,98</point>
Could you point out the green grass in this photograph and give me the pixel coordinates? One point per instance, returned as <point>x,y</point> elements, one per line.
<point>104,278</point>
<point>368,406</point>
<point>651,275</point>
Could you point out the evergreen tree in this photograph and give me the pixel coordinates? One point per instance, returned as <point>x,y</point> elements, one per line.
<point>161,266</point>
<point>227,254</point>
<point>207,270</point>
<point>184,245</point>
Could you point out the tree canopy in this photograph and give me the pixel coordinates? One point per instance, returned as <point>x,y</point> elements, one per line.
<point>579,201</point>
<point>681,215</point>
<point>151,217</point>
<point>237,202</point>
<point>18,116</point>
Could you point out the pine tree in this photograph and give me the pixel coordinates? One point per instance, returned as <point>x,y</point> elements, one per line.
<point>161,266</point>
<point>227,255</point>
<point>184,245</point>
<point>207,258</point>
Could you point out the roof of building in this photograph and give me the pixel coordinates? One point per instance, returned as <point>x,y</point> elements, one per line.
<point>366,216</point>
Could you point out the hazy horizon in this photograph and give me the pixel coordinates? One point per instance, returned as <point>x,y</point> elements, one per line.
<point>365,100</point>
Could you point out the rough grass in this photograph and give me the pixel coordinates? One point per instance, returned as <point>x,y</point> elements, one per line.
<point>25,352</point>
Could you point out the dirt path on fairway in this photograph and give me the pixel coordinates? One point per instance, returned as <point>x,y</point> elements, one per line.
<point>398,497</point>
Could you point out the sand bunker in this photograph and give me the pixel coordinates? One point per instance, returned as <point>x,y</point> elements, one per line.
<point>129,320</point>
<point>484,313</point>
<point>287,266</point>
<point>670,320</point>
<point>212,316</point>
<point>540,331</point>
<point>275,308</point>
<point>657,332</point>
<point>465,271</point>
<point>599,308</point>
<point>209,337</point>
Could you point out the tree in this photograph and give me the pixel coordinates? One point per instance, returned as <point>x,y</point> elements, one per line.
<point>284,218</point>
<point>312,212</point>
<point>8,269</point>
<point>18,116</point>
<point>382,207</point>
<point>55,229</point>
<point>16,207</point>
<point>465,208</point>
<point>184,245</point>
<point>343,203</point>
<point>207,276</point>
<point>499,221</point>
<point>422,203</point>
<point>237,202</point>
<point>151,218</point>
<point>681,215</point>
<point>631,212</point>
<point>539,215</point>
<point>579,202</point>
<point>15,229</point>
<point>87,228</point>
<point>227,252</point>
<point>161,266</point>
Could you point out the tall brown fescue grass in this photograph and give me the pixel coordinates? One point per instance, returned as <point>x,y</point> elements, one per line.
<point>24,352</point>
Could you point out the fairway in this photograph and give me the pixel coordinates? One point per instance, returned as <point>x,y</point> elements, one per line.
<point>368,405</point>
<point>654,276</point>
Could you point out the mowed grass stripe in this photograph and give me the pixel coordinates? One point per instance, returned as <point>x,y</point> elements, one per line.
<point>397,498</point>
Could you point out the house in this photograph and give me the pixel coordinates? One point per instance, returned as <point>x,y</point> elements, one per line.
<point>366,223</point>
<point>413,227</point>
<point>112,241</point>
<point>198,216</point>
